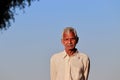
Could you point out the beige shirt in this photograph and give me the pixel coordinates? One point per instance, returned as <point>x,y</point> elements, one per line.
<point>63,67</point>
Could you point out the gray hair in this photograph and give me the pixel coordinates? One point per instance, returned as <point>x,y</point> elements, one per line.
<point>70,29</point>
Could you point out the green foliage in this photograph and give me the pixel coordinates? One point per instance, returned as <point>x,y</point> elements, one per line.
<point>7,10</point>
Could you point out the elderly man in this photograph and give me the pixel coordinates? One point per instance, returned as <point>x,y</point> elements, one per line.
<point>69,64</point>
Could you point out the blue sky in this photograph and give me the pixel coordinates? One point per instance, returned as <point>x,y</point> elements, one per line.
<point>26,47</point>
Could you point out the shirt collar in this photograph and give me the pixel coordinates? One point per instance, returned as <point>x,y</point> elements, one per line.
<point>65,54</point>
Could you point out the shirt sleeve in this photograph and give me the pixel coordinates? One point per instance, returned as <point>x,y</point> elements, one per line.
<point>87,68</point>
<point>52,69</point>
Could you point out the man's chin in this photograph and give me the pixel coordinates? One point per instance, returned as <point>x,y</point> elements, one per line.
<point>70,48</point>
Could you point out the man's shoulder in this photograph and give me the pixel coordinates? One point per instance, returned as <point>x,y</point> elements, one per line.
<point>84,56</point>
<point>57,55</point>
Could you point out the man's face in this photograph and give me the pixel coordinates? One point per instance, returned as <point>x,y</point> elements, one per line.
<point>69,40</point>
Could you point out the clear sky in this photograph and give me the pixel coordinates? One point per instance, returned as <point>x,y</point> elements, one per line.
<point>26,47</point>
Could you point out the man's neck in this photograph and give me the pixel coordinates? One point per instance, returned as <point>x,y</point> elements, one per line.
<point>71,52</point>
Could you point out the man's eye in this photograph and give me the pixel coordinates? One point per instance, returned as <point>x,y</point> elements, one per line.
<point>66,39</point>
<point>73,39</point>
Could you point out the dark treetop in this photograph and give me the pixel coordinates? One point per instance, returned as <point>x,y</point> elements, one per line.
<point>7,10</point>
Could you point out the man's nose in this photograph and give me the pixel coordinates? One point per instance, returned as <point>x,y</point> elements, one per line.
<point>69,41</point>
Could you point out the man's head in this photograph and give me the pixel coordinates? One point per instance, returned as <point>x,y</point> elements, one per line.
<point>69,38</point>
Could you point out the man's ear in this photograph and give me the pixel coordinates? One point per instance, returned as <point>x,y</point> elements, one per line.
<point>62,41</point>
